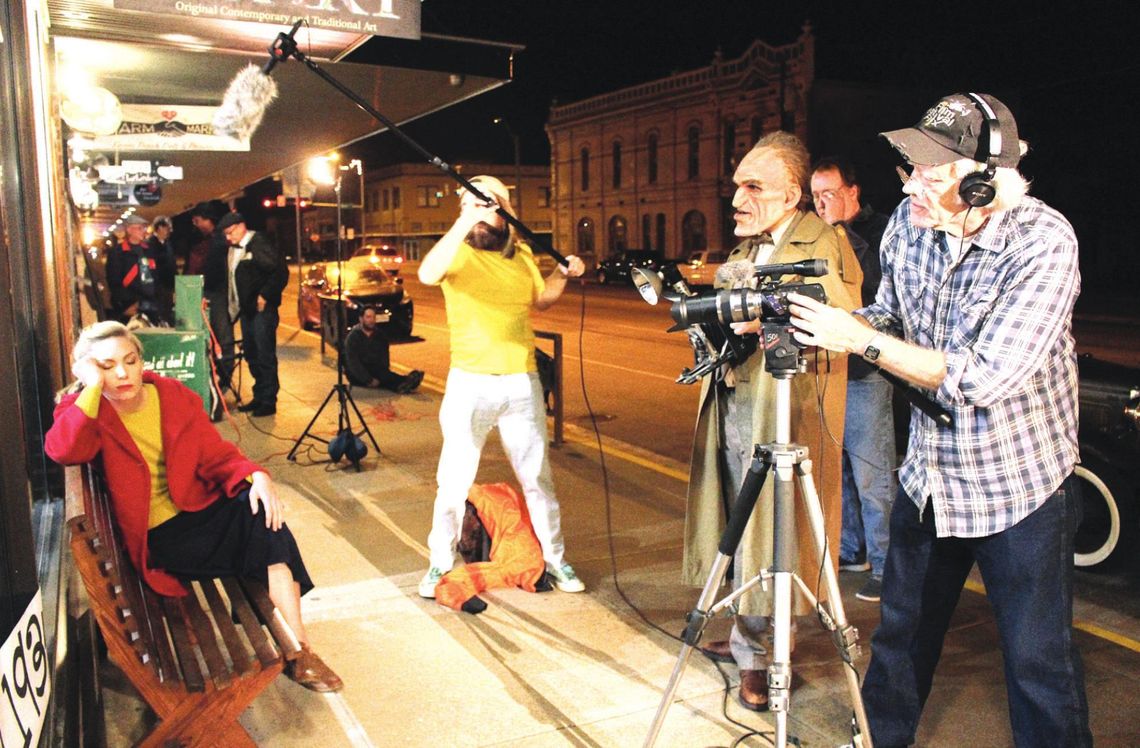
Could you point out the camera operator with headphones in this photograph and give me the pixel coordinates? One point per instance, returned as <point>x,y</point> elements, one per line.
<point>975,307</point>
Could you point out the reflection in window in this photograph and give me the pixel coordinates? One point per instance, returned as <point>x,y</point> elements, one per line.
<point>694,152</point>
<point>617,164</point>
<point>651,157</point>
<point>694,237</point>
<point>619,234</point>
<point>585,237</point>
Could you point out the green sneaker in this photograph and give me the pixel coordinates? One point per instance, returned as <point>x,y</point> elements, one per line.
<point>566,580</point>
<point>428,583</point>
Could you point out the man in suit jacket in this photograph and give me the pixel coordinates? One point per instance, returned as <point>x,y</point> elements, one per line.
<point>257,276</point>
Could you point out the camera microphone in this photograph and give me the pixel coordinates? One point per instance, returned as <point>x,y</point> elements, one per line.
<point>806,268</point>
<point>252,91</point>
<point>735,273</point>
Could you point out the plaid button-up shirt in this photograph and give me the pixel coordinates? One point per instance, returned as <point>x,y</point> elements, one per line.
<point>1002,314</point>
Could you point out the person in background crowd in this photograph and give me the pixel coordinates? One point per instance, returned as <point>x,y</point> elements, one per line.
<point>868,434</point>
<point>257,276</point>
<point>133,273</point>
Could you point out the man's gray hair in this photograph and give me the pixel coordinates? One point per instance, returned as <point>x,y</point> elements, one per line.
<point>796,160</point>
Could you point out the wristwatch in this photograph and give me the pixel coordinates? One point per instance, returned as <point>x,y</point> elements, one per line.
<point>871,352</point>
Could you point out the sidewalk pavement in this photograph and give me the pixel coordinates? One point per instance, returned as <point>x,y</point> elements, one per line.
<point>547,669</point>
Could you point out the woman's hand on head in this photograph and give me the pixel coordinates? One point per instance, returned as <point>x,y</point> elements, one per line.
<point>264,491</point>
<point>87,371</point>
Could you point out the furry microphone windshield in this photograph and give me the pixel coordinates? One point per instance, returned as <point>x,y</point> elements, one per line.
<point>249,95</point>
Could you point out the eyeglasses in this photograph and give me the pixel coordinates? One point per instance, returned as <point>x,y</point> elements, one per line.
<point>925,182</point>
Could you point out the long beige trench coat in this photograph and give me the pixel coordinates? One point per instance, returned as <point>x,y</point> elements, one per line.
<point>809,237</point>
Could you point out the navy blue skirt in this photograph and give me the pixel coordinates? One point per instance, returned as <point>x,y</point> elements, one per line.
<point>224,539</point>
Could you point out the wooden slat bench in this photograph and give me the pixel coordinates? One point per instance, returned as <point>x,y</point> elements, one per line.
<point>198,660</point>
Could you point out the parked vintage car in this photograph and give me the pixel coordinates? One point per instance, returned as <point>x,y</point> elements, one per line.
<point>365,283</point>
<point>700,269</point>
<point>1110,461</point>
<point>617,267</point>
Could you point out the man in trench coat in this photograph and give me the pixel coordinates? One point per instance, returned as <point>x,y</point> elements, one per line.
<point>737,407</point>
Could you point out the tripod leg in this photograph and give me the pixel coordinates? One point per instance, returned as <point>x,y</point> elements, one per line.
<point>783,565</point>
<point>698,618</point>
<point>846,635</point>
<point>363,425</point>
<point>297,444</point>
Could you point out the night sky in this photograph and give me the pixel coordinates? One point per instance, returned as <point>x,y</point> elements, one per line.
<point>1068,70</point>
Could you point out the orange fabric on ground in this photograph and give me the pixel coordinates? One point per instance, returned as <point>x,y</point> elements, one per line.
<point>516,556</point>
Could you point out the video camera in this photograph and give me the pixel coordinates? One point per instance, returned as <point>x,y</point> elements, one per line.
<point>707,317</point>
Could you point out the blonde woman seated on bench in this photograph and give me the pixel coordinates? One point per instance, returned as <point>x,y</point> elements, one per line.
<point>187,502</point>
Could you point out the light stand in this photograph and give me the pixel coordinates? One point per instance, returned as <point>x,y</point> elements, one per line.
<point>340,389</point>
<point>783,362</point>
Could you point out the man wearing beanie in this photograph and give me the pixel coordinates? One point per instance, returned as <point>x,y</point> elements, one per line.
<point>490,283</point>
<point>975,307</point>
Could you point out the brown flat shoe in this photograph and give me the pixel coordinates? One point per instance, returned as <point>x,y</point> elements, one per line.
<point>310,671</point>
<point>753,690</point>
<point>718,651</point>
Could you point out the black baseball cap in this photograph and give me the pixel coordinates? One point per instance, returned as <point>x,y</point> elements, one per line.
<point>955,128</point>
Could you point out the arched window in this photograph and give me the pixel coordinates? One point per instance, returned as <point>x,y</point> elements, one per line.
<point>619,234</point>
<point>694,139</point>
<point>585,169</point>
<point>585,237</point>
<point>694,236</point>
<point>617,164</point>
<point>651,157</point>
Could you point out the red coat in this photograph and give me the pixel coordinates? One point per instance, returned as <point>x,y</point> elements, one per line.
<point>201,466</point>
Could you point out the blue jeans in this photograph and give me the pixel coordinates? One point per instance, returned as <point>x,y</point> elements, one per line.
<point>868,464</point>
<point>1027,570</point>
<point>259,345</point>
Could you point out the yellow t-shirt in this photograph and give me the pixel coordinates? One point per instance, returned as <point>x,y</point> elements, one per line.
<point>145,427</point>
<point>488,301</point>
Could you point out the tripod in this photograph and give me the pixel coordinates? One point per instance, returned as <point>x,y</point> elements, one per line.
<point>787,458</point>
<point>340,389</point>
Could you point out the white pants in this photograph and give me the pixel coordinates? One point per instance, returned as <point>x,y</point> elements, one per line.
<point>472,405</point>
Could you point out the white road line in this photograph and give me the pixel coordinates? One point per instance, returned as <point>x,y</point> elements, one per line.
<point>353,729</point>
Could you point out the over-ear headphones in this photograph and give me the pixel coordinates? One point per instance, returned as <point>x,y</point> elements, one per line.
<point>977,189</point>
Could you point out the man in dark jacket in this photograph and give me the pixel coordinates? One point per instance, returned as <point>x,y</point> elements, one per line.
<point>133,272</point>
<point>257,276</point>
<point>366,360</point>
<point>868,439</point>
<point>209,259</point>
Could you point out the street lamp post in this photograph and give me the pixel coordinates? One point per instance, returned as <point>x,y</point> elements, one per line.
<point>359,167</point>
<point>518,161</point>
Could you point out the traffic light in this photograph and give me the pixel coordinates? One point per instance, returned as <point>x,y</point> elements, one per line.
<point>267,203</point>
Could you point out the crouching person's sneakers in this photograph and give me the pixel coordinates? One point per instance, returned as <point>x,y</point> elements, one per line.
<point>428,583</point>
<point>310,671</point>
<point>566,580</point>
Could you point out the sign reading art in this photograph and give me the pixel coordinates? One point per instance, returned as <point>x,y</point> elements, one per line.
<point>398,18</point>
<point>161,127</point>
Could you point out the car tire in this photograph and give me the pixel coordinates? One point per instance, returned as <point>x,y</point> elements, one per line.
<point>603,279</point>
<point>1108,520</point>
